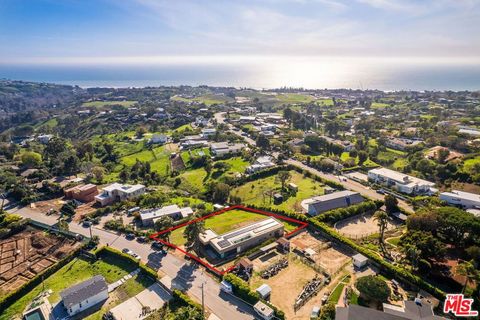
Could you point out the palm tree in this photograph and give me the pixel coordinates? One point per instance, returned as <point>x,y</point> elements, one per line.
<point>468,270</point>
<point>382,221</point>
<point>283,176</point>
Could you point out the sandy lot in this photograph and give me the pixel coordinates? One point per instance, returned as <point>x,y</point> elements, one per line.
<point>28,253</point>
<point>328,256</point>
<point>360,226</point>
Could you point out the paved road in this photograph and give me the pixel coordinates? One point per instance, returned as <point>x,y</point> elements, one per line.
<point>220,117</point>
<point>348,184</point>
<point>188,277</point>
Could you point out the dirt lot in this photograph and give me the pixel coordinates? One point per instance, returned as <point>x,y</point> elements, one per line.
<point>286,286</point>
<point>328,256</point>
<point>361,226</point>
<point>27,253</point>
<point>55,204</point>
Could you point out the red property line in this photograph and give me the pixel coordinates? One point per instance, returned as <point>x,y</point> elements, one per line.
<point>154,237</point>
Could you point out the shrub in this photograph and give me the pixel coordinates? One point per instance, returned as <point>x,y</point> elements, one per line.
<point>373,288</point>
<point>335,215</point>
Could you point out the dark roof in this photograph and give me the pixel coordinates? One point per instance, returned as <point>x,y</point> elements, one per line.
<point>355,312</point>
<point>84,290</point>
<point>336,200</point>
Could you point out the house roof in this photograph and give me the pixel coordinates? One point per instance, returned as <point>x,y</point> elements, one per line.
<point>166,211</point>
<point>400,177</point>
<point>332,201</point>
<point>360,257</point>
<point>84,290</point>
<point>264,290</point>
<point>462,195</point>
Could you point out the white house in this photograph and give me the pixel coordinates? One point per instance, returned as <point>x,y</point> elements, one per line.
<point>159,139</point>
<point>44,138</point>
<point>119,192</point>
<point>260,164</point>
<point>208,132</point>
<point>399,181</point>
<point>149,217</point>
<point>223,148</point>
<point>84,295</point>
<point>462,199</point>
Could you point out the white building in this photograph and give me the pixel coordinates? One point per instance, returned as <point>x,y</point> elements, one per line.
<point>223,148</point>
<point>208,132</point>
<point>359,260</point>
<point>84,295</point>
<point>159,139</point>
<point>461,199</point>
<point>260,164</point>
<point>119,192</point>
<point>149,217</point>
<point>399,181</point>
<point>340,199</point>
<point>44,138</point>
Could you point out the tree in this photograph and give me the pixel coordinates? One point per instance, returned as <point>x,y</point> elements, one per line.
<point>98,173</point>
<point>262,142</point>
<point>164,223</point>
<point>31,159</point>
<point>468,270</point>
<point>283,176</point>
<point>140,132</point>
<point>391,203</point>
<point>382,221</point>
<point>373,288</point>
<point>328,312</point>
<point>427,245</point>
<point>221,192</point>
<point>362,157</point>
<point>442,155</point>
<point>63,225</point>
<point>192,233</point>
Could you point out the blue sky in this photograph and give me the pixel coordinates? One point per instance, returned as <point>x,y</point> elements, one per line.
<point>88,31</point>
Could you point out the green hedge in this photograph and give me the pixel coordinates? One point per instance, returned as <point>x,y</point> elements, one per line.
<point>7,300</point>
<point>386,267</point>
<point>185,300</point>
<point>149,271</point>
<point>335,215</point>
<point>242,290</point>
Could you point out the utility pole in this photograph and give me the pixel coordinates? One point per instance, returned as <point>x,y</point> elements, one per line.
<point>90,227</point>
<point>203,303</point>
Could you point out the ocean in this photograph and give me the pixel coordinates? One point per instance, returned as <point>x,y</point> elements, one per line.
<point>301,72</point>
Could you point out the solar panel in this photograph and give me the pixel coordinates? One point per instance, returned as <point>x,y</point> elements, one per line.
<point>223,243</point>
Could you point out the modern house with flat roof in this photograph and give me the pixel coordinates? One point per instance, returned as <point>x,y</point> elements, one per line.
<point>399,181</point>
<point>465,200</point>
<point>223,148</point>
<point>84,295</point>
<point>340,199</point>
<point>411,310</point>
<point>149,217</point>
<point>119,192</point>
<point>241,239</point>
<point>260,164</point>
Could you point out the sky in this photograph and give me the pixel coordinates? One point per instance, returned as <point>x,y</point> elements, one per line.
<point>183,31</point>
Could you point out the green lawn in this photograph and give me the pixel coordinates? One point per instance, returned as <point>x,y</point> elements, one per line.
<point>336,293</point>
<point>76,271</point>
<point>193,180</point>
<point>187,155</point>
<point>255,192</point>
<point>379,105</point>
<point>207,99</point>
<point>158,157</point>
<point>394,241</point>
<point>291,98</point>
<point>226,222</point>
<point>97,104</point>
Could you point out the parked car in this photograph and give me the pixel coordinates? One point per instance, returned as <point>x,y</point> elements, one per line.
<point>130,236</point>
<point>142,239</point>
<point>87,223</point>
<point>157,245</point>
<point>127,251</point>
<point>325,298</point>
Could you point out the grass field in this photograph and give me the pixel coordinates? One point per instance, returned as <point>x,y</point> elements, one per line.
<point>187,155</point>
<point>100,104</point>
<point>226,222</point>
<point>379,105</point>
<point>193,180</point>
<point>254,192</point>
<point>79,270</point>
<point>159,159</point>
<point>208,99</point>
<point>291,98</point>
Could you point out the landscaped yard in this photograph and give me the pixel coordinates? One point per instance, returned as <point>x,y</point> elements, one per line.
<point>258,192</point>
<point>226,222</point>
<point>78,270</point>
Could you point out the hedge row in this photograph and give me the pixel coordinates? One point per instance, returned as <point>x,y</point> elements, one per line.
<point>7,300</point>
<point>335,215</point>
<point>242,290</point>
<point>185,300</point>
<point>147,270</point>
<point>388,268</point>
